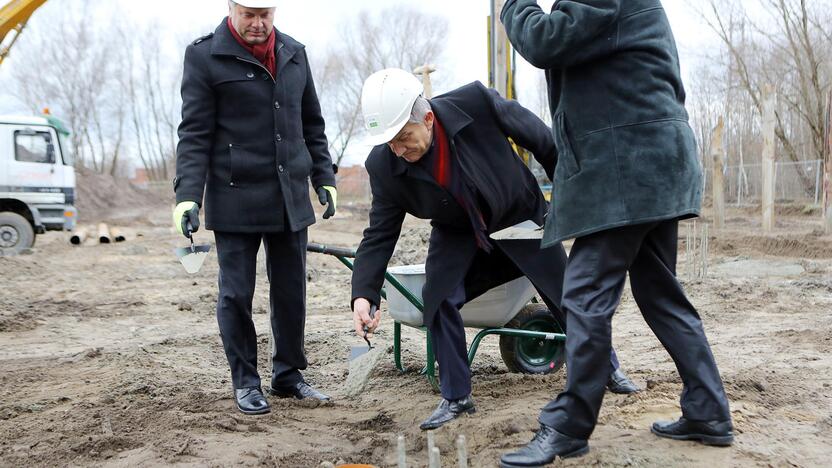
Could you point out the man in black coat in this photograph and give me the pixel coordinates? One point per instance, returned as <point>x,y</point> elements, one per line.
<point>627,173</point>
<point>251,138</point>
<point>449,160</point>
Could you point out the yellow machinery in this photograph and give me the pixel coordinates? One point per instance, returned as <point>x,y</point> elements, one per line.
<point>13,17</point>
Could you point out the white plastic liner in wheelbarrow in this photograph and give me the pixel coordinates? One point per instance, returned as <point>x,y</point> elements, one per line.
<point>495,308</point>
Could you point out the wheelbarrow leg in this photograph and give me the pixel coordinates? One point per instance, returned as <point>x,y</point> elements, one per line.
<point>397,346</point>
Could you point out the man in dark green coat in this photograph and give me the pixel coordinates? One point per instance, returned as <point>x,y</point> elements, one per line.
<point>627,172</point>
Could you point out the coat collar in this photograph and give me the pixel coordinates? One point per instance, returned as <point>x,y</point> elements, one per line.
<point>453,119</point>
<point>224,43</point>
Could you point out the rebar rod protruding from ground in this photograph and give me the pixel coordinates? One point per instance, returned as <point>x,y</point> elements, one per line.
<point>461,452</point>
<point>402,452</point>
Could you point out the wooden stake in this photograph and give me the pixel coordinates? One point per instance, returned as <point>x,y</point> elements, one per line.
<point>827,178</point>
<point>402,452</point>
<point>769,100</point>
<point>425,71</point>
<point>718,174</point>
<point>501,49</point>
<point>461,452</point>
<point>435,458</point>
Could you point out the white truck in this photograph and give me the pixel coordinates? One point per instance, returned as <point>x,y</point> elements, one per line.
<point>37,181</point>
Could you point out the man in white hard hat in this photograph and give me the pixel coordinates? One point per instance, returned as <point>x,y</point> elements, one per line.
<point>449,160</point>
<point>251,139</point>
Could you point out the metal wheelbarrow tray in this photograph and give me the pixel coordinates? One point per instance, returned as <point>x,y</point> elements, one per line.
<point>531,341</point>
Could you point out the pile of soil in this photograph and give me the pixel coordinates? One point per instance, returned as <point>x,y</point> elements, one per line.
<point>102,197</point>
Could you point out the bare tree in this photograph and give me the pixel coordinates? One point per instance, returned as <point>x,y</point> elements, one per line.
<point>401,37</point>
<point>784,43</point>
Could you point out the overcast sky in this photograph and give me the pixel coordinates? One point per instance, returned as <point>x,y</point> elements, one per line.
<point>315,23</point>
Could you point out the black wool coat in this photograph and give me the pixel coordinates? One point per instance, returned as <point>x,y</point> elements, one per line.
<point>478,122</point>
<point>248,142</point>
<point>626,153</point>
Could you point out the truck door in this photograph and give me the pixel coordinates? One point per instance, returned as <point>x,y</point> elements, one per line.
<point>34,168</point>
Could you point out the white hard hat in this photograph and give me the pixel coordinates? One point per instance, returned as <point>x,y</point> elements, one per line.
<point>256,3</point>
<point>386,102</point>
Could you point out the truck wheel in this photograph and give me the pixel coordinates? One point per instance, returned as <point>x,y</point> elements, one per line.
<point>16,234</point>
<point>533,355</point>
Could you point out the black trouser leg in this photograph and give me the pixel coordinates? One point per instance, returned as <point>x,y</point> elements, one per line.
<point>560,317</point>
<point>677,325</point>
<point>448,337</point>
<point>237,257</point>
<point>286,267</point>
<point>595,277</point>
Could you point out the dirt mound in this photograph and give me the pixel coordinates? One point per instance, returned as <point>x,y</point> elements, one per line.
<point>412,247</point>
<point>796,246</point>
<point>101,197</point>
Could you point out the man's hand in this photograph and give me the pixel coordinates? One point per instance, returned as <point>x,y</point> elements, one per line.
<point>361,317</point>
<point>184,213</point>
<point>327,195</point>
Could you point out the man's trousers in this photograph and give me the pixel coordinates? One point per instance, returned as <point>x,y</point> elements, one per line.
<point>286,268</point>
<point>595,277</point>
<point>448,332</point>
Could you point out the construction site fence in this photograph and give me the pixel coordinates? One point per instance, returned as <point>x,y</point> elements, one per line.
<point>794,182</point>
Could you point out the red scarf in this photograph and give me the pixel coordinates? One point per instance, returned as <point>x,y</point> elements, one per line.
<point>452,180</point>
<point>442,167</point>
<point>264,53</point>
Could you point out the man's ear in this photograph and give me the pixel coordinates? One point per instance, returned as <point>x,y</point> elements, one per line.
<point>429,117</point>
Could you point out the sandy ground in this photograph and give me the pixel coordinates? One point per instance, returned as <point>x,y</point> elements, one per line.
<point>110,356</point>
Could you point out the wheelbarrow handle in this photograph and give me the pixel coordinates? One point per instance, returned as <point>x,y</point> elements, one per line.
<point>334,251</point>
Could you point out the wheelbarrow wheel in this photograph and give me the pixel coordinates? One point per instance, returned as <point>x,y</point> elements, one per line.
<point>533,355</point>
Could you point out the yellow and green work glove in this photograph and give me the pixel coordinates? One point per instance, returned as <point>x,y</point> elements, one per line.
<point>327,195</point>
<point>186,213</point>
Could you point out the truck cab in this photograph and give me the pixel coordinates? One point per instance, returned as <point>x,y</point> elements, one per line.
<point>37,181</point>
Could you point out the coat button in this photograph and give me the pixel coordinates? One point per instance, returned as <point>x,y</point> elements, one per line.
<point>276,105</point>
<point>278,137</point>
<point>444,202</point>
<point>280,167</point>
<point>265,76</point>
<point>250,75</point>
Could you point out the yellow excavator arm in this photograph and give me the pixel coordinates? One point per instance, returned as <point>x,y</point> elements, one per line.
<point>13,17</point>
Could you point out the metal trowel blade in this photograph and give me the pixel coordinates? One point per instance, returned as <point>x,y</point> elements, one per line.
<point>192,259</point>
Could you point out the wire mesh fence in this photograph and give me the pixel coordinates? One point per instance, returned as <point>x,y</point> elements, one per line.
<point>794,182</point>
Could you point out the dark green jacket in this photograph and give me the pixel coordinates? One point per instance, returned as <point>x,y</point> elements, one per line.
<point>626,153</point>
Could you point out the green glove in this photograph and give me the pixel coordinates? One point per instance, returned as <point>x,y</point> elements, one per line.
<point>184,213</point>
<point>328,195</point>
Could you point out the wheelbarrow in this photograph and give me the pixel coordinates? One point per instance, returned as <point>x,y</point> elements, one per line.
<point>531,340</point>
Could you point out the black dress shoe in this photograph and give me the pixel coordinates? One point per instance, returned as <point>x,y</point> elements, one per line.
<point>620,383</point>
<point>300,391</point>
<point>448,411</point>
<point>546,445</point>
<point>720,433</point>
<point>251,401</point>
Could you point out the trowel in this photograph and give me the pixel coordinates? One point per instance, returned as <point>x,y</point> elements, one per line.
<point>521,231</point>
<point>194,256</point>
<point>363,359</point>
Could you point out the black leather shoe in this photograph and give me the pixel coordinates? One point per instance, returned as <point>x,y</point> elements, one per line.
<point>620,383</point>
<point>448,411</point>
<point>251,401</point>
<point>720,433</point>
<point>546,445</point>
<point>300,391</point>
